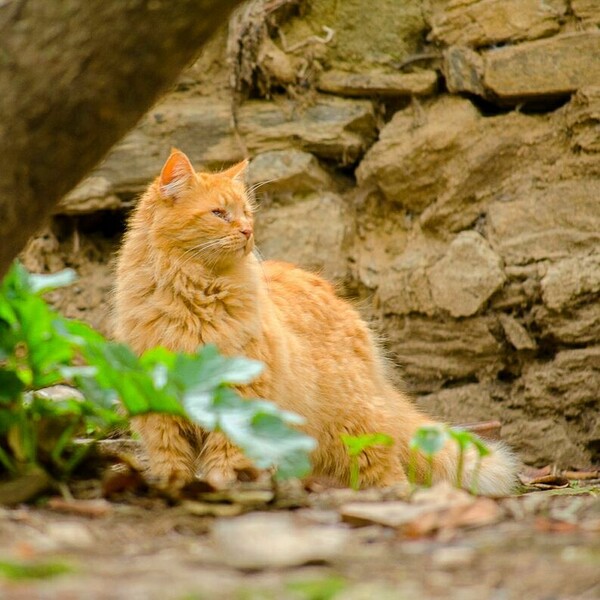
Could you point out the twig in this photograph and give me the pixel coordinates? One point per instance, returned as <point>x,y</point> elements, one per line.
<point>415,58</point>
<point>313,39</point>
<point>65,492</point>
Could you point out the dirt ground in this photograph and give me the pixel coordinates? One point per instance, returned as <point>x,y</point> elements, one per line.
<point>252,543</point>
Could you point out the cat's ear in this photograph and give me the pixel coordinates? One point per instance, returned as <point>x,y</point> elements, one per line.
<point>237,171</point>
<point>176,174</point>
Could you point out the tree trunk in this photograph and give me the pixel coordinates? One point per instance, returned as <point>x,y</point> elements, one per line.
<point>75,75</point>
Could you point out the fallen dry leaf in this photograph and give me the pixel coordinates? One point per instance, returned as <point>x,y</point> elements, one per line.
<point>388,514</point>
<point>528,474</point>
<point>549,482</point>
<point>442,494</point>
<point>482,511</point>
<point>488,430</point>
<point>84,508</point>
<point>550,525</point>
<point>441,507</point>
<point>581,475</point>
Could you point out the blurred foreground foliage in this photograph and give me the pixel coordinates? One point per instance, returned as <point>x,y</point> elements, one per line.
<point>39,430</point>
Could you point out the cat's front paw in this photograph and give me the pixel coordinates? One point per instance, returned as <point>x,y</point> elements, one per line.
<point>224,476</point>
<point>170,475</point>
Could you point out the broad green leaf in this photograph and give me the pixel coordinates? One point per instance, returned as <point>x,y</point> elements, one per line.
<point>258,427</point>
<point>11,386</point>
<point>208,369</point>
<point>429,439</point>
<point>44,283</point>
<point>78,333</point>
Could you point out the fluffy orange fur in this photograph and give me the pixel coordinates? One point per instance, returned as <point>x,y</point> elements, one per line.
<point>187,276</point>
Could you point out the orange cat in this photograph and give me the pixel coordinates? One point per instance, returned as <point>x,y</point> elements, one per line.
<point>187,276</point>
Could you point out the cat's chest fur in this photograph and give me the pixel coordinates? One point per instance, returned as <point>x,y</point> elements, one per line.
<point>222,311</point>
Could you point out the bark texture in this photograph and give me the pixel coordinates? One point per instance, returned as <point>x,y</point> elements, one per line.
<point>75,75</point>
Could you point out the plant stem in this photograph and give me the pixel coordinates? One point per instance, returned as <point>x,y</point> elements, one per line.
<point>412,467</point>
<point>354,473</point>
<point>430,470</point>
<point>460,466</point>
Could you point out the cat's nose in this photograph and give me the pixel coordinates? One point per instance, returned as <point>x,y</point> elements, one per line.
<point>247,232</point>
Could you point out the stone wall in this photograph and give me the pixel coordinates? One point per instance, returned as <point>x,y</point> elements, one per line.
<point>441,160</point>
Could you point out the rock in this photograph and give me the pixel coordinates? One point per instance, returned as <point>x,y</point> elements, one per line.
<point>487,22</point>
<point>572,281</point>
<point>566,388</point>
<point>430,351</point>
<point>389,514</point>
<point>553,67</point>
<point>382,235</point>
<point>543,441</point>
<point>448,169</point>
<point>70,534</point>
<point>289,544</point>
<point>92,194</point>
<point>364,38</point>
<point>467,276</point>
<point>454,557</point>
<point>492,159</point>
<point>404,286</point>
<point>378,84</point>
<point>407,163</point>
<point>467,403</point>
<point>579,325</point>
<point>516,334</point>
<point>330,127</point>
<point>284,173</point>
<point>201,127</point>
<point>60,392</point>
<point>550,223</point>
<point>586,10</point>
<point>583,113</point>
<point>463,70</point>
<point>310,232</point>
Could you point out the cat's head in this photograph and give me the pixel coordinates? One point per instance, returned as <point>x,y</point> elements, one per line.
<point>207,216</point>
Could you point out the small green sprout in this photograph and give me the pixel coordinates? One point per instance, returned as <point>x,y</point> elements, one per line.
<point>464,439</point>
<point>430,439</point>
<point>427,440</point>
<point>356,445</point>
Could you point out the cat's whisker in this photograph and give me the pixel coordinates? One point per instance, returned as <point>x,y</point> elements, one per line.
<point>258,185</point>
<point>200,250</point>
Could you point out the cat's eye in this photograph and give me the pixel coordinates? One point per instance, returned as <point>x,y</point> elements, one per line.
<point>221,213</point>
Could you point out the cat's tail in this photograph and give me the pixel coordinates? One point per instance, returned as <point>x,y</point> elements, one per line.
<point>492,475</point>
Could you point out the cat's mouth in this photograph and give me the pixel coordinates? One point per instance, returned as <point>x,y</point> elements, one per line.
<point>248,246</point>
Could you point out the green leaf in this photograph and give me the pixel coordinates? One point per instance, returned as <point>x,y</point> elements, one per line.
<point>207,369</point>
<point>44,283</point>
<point>318,589</point>
<point>465,438</point>
<point>356,444</point>
<point>39,570</point>
<point>258,427</point>
<point>11,386</point>
<point>429,439</point>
